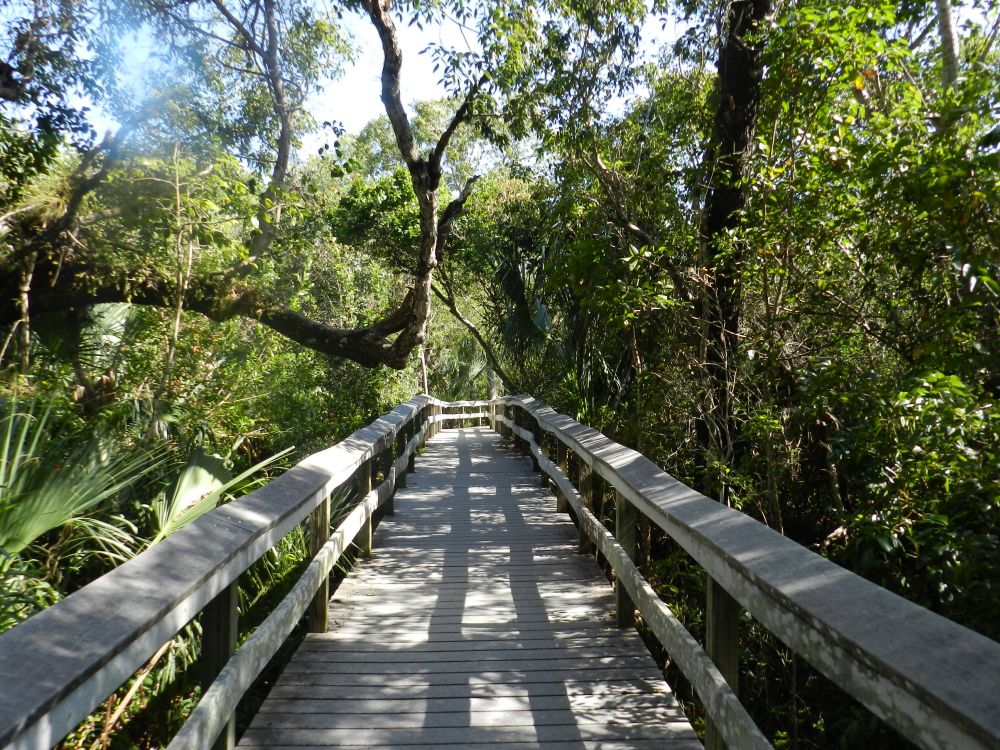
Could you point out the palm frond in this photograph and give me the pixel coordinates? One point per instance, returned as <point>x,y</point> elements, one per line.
<point>202,485</point>
<point>45,482</point>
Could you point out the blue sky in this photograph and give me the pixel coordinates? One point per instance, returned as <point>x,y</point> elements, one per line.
<point>354,98</point>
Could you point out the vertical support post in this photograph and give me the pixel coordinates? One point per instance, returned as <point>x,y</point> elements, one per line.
<point>319,534</point>
<point>644,547</point>
<point>543,445</point>
<point>385,466</point>
<point>562,459</point>
<point>722,642</point>
<point>518,423</point>
<point>402,438</point>
<point>531,424</point>
<point>364,484</point>
<point>491,382</point>
<point>600,496</point>
<point>625,526</point>
<point>219,629</point>
<point>586,489</point>
<point>415,428</point>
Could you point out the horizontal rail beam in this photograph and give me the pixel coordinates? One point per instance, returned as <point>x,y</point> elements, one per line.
<point>721,703</point>
<point>68,658</point>
<point>220,700</point>
<point>935,681</point>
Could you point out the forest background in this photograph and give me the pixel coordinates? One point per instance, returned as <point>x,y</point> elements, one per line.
<point>755,240</point>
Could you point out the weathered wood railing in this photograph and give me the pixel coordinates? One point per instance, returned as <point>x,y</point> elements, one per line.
<point>934,681</point>
<point>59,665</point>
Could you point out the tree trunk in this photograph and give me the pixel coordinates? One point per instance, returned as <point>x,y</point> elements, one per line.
<point>949,44</point>
<point>739,87</point>
<point>423,370</point>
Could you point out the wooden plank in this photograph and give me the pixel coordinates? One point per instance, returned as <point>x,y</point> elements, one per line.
<point>68,658</point>
<point>304,703</point>
<point>525,745</point>
<point>219,631</point>
<point>567,688</point>
<point>472,676</point>
<point>470,641</point>
<point>423,718</point>
<point>485,650</point>
<point>490,628</point>
<point>869,641</point>
<point>465,736</point>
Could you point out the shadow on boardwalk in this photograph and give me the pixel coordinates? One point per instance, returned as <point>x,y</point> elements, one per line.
<point>476,624</point>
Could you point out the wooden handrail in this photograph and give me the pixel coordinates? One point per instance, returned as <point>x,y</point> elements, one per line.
<point>933,680</point>
<point>60,664</point>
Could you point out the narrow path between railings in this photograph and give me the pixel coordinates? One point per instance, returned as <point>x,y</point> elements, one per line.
<point>475,624</point>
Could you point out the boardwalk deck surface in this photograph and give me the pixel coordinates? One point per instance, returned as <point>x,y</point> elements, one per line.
<point>476,624</point>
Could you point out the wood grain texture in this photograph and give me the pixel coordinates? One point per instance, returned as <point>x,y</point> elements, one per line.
<point>477,624</point>
<point>67,659</point>
<point>871,642</point>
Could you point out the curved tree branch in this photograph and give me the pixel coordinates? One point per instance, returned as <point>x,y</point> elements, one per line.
<point>451,212</point>
<point>449,302</point>
<point>76,283</point>
<point>462,114</point>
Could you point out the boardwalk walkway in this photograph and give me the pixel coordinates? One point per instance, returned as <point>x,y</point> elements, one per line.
<point>476,624</point>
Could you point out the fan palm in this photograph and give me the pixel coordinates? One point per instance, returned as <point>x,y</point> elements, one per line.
<point>46,483</point>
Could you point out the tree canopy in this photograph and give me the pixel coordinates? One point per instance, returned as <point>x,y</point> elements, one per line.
<point>756,240</point>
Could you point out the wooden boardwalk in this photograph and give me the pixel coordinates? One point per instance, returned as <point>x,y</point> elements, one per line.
<point>475,624</point>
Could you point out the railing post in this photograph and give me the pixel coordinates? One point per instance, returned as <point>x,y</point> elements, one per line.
<point>402,438</point>
<point>722,642</point>
<point>385,466</point>
<point>363,540</point>
<point>319,534</point>
<point>219,630</point>
<point>562,459</point>
<point>518,420</point>
<point>420,423</point>
<point>586,489</point>
<point>543,445</point>
<point>414,429</point>
<point>536,434</point>
<point>625,523</point>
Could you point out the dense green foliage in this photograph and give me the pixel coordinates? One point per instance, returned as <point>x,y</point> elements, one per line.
<point>826,359</point>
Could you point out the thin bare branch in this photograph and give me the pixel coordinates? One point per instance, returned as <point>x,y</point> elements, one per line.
<point>461,115</point>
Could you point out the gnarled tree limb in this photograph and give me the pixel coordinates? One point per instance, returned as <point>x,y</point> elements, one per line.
<point>77,283</point>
